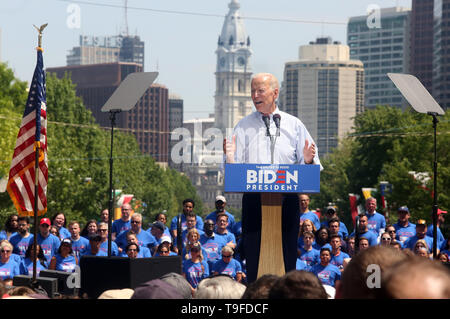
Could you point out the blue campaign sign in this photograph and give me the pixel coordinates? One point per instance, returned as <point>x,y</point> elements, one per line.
<point>272,178</point>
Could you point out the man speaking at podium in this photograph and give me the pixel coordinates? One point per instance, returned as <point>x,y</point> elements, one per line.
<point>269,136</point>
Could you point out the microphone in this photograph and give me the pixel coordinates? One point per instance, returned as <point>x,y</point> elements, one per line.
<point>266,120</point>
<point>277,119</point>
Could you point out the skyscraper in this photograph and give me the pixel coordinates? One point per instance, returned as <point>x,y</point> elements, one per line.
<point>96,50</point>
<point>441,53</point>
<point>233,71</point>
<point>148,120</point>
<point>325,89</point>
<point>383,50</point>
<point>422,42</point>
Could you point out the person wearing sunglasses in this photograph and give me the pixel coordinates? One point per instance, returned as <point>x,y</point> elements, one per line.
<point>8,266</point>
<point>385,239</point>
<point>144,238</point>
<point>228,265</point>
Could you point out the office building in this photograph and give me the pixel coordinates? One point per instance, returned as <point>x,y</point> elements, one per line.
<point>422,42</point>
<point>384,49</point>
<point>324,88</point>
<point>97,50</point>
<point>441,53</point>
<point>148,120</point>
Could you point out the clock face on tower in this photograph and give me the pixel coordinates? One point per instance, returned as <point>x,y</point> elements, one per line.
<point>241,61</point>
<point>222,62</point>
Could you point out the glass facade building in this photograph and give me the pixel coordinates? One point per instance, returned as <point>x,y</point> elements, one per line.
<point>384,49</point>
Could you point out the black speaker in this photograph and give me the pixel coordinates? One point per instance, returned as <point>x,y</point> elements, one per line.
<point>50,285</point>
<point>65,281</point>
<point>103,273</point>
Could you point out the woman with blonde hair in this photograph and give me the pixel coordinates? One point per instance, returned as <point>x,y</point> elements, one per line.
<point>192,237</point>
<point>8,266</point>
<point>421,248</point>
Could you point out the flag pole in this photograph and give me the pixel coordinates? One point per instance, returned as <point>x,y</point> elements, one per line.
<point>37,146</point>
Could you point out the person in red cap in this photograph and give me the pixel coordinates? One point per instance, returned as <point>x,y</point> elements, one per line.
<point>440,238</point>
<point>48,242</point>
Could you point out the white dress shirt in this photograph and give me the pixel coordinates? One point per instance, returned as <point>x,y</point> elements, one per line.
<point>253,146</point>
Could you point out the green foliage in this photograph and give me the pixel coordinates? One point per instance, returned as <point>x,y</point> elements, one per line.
<point>79,151</point>
<point>388,144</point>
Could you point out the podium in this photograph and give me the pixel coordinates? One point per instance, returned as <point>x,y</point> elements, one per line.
<point>271,181</point>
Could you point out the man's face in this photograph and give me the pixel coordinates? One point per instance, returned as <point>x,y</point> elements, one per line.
<point>188,207</point>
<point>44,229</point>
<point>220,206</point>
<point>304,202</point>
<point>421,231</point>
<point>190,222</point>
<point>263,96</point>
<point>363,223</point>
<point>308,240</point>
<point>335,243</point>
<point>363,244</point>
<point>103,232</point>
<point>136,224</point>
<point>208,227</point>
<point>222,222</point>
<point>371,205</point>
<point>74,230</point>
<point>334,228</point>
<point>23,227</point>
<point>104,215</point>
<point>126,210</point>
<point>403,216</point>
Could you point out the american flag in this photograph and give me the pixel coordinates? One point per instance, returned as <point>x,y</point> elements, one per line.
<point>32,134</point>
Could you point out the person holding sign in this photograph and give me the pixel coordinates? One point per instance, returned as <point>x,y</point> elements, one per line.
<point>260,139</point>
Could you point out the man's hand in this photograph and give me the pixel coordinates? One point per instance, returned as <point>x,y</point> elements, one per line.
<point>229,148</point>
<point>309,151</point>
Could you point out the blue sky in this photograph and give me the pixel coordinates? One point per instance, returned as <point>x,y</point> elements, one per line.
<point>179,42</point>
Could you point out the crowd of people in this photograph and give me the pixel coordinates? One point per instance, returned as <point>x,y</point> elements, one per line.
<point>211,248</point>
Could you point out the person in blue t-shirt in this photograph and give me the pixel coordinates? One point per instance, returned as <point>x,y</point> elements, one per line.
<point>307,253</point>
<point>8,266</point>
<point>22,238</point>
<point>162,217</point>
<point>65,259</point>
<point>123,223</point>
<point>79,244</point>
<point>59,220</point>
<point>11,227</point>
<point>306,213</point>
<point>376,222</point>
<point>327,273</point>
<point>404,229</point>
<point>49,243</point>
<point>337,255</point>
<point>26,266</point>
<point>331,213</point>
<point>212,243</point>
<point>95,240</point>
<point>222,231</point>
<point>421,231</point>
<point>220,204</point>
<point>103,232</point>
<point>195,269</point>
<point>142,252</point>
<point>145,238</point>
<point>364,230</point>
<point>191,223</point>
<point>188,206</point>
<point>228,265</point>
